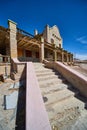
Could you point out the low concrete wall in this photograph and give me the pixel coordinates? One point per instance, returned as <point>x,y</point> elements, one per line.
<point>5,69</point>
<point>17,66</point>
<point>75,78</point>
<point>17,69</point>
<point>36,115</point>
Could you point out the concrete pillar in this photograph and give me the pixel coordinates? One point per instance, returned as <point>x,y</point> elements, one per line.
<point>71,58</point>
<point>13,40</point>
<point>47,34</point>
<point>55,55</point>
<point>62,56</point>
<point>67,58</point>
<point>42,50</point>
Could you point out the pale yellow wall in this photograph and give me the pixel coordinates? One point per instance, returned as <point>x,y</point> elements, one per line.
<point>52,33</point>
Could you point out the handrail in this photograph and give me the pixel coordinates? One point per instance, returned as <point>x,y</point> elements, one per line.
<point>4,59</point>
<point>36,115</point>
<point>24,32</point>
<point>77,79</point>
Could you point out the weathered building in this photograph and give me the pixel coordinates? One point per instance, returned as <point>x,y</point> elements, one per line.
<point>17,43</point>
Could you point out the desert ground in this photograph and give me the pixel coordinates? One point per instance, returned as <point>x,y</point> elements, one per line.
<point>80,67</point>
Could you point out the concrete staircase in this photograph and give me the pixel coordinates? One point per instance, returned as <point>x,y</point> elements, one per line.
<point>59,97</point>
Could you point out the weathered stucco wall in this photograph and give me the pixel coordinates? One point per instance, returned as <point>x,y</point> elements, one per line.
<point>52,35</point>
<point>75,78</point>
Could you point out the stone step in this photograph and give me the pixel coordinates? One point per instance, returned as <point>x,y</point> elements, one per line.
<point>42,70</point>
<point>47,77</point>
<point>36,64</point>
<point>58,96</point>
<point>51,88</point>
<point>45,73</point>
<point>53,81</point>
<point>65,110</point>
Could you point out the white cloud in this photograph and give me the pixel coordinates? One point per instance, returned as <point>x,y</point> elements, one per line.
<point>82,39</point>
<point>81,56</point>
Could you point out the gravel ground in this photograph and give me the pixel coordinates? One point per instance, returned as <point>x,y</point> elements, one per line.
<point>13,119</point>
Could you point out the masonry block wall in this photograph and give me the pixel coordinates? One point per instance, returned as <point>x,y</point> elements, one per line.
<point>13,41</point>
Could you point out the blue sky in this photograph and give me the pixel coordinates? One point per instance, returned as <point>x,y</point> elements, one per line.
<point>69,15</point>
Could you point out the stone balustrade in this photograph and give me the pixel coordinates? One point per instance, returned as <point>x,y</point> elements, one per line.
<point>75,78</point>
<point>4,59</point>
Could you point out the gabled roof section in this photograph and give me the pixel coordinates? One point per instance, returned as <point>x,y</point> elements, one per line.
<point>55,29</point>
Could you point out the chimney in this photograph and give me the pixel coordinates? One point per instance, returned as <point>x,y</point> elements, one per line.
<point>35,32</point>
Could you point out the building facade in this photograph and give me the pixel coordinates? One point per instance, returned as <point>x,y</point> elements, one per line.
<point>52,35</point>
<point>26,47</point>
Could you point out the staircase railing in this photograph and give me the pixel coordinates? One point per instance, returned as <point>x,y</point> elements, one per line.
<point>4,59</point>
<point>36,116</point>
<point>24,32</point>
<point>26,59</point>
<point>77,79</point>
